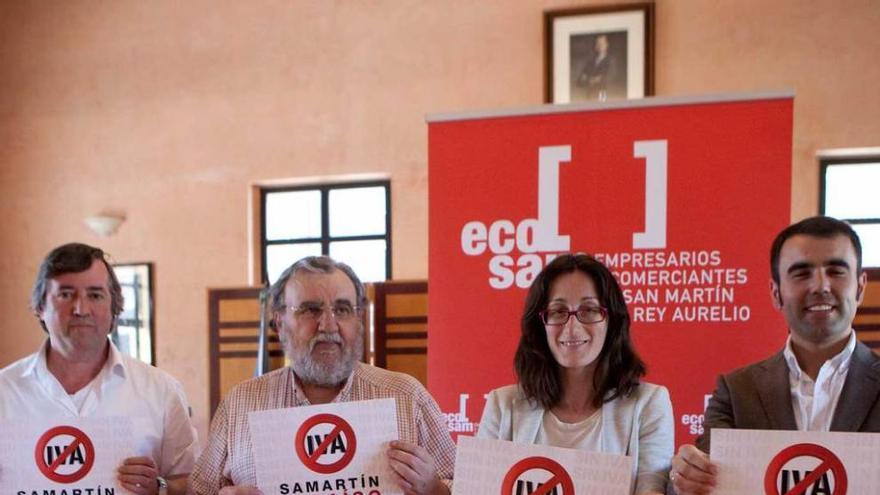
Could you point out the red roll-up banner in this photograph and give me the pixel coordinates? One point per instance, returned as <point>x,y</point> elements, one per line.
<point>680,197</point>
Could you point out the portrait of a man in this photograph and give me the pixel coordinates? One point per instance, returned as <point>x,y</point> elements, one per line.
<point>598,66</point>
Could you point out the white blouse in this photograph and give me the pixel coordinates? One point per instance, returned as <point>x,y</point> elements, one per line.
<point>583,435</point>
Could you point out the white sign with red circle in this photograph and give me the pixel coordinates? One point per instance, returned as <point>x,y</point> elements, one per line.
<point>492,467</point>
<point>299,448</point>
<point>71,453</point>
<point>325,443</point>
<point>64,454</point>
<point>554,479</point>
<point>795,463</point>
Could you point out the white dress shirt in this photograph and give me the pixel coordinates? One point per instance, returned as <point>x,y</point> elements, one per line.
<point>814,403</point>
<point>153,400</point>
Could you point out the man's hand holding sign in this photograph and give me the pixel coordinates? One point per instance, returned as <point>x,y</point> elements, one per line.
<point>415,470</point>
<point>139,475</point>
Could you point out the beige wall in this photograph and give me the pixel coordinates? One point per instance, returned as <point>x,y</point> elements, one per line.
<point>169,111</point>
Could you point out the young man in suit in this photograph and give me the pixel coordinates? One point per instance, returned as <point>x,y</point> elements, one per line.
<point>823,379</point>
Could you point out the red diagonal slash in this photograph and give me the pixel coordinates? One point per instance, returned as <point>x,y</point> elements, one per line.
<point>337,430</point>
<point>80,440</point>
<point>545,488</point>
<point>828,461</point>
<point>69,450</point>
<point>340,426</point>
<point>811,478</point>
<point>559,476</point>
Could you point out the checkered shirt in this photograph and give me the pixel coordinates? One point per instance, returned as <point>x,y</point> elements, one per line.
<point>228,458</point>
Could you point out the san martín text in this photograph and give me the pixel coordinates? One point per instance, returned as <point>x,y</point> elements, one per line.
<point>363,485</point>
<point>679,286</point>
<point>100,490</point>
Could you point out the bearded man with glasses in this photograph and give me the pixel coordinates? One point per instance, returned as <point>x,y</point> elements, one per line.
<point>317,308</point>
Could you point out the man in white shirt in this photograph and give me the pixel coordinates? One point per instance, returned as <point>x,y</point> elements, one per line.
<point>823,380</point>
<point>78,373</point>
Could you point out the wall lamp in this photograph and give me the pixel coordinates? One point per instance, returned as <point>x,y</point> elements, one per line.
<point>104,224</point>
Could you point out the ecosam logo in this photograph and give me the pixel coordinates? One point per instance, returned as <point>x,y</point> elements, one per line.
<point>521,249</point>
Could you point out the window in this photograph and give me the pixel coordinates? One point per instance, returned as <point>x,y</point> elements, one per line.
<point>133,334</point>
<point>349,222</point>
<point>848,191</point>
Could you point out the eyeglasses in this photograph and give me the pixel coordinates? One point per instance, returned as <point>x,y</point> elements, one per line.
<point>584,314</point>
<point>342,313</point>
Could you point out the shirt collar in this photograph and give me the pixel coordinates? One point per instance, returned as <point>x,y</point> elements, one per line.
<point>39,368</point>
<point>37,364</point>
<point>116,362</point>
<point>838,363</point>
<point>300,398</point>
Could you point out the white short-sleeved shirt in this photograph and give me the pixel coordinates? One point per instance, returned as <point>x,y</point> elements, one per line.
<point>124,387</point>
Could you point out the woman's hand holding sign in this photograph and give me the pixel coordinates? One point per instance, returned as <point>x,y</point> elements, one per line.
<point>692,472</point>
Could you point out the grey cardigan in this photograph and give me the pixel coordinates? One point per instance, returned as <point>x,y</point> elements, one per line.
<point>640,426</point>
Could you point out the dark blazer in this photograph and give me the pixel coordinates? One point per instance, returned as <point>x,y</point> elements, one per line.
<point>759,397</point>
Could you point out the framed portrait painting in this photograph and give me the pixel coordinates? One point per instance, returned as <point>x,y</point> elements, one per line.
<point>599,53</point>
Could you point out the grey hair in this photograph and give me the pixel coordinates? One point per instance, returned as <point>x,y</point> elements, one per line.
<point>313,264</point>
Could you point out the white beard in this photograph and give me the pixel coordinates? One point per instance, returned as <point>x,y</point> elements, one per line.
<point>320,372</point>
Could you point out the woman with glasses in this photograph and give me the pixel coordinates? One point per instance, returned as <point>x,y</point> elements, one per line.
<point>579,376</point>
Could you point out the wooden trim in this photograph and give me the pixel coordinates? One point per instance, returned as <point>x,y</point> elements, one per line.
<point>406,287</point>
<point>388,209</point>
<point>214,348</point>
<point>317,240</point>
<point>649,48</point>
<point>381,292</point>
<point>548,57</point>
<point>407,335</point>
<point>253,354</point>
<point>255,233</point>
<point>238,324</point>
<point>407,350</point>
<point>380,331</point>
<point>151,278</point>
<point>873,274</point>
<point>401,320</point>
<point>366,323</point>
<point>236,293</point>
<point>866,327</point>
<point>247,340</point>
<point>214,339</point>
<point>868,310</point>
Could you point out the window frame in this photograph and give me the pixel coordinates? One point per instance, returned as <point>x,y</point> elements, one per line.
<point>325,238</point>
<point>148,323</point>
<point>831,160</point>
